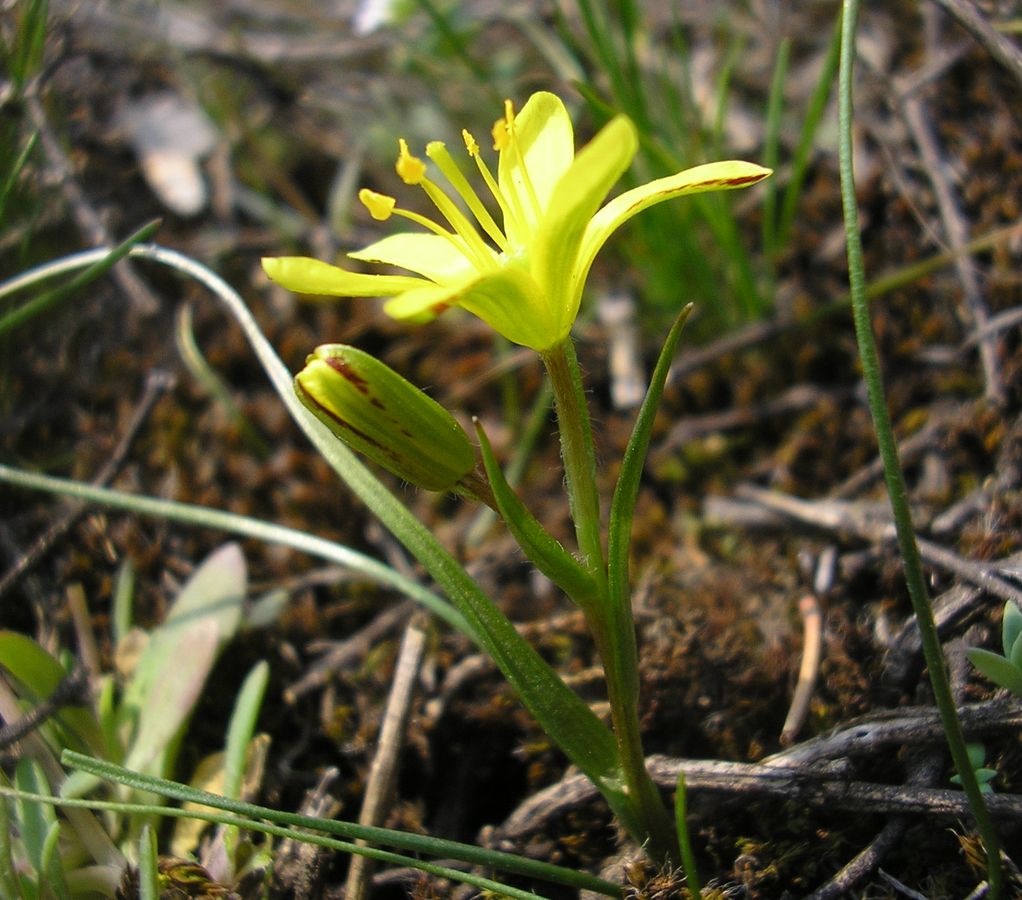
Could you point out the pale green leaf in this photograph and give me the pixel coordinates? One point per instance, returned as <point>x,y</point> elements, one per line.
<point>998,669</point>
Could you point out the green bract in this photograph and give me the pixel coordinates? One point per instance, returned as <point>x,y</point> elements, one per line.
<point>376,412</point>
<point>525,277</point>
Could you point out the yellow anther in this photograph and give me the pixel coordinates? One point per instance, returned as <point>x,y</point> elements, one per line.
<point>501,134</point>
<point>380,206</point>
<point>410,168</point>
<point>470,143</point>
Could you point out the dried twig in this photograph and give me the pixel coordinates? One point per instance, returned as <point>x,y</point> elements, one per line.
<point>957,232</point>
<point>812,652</point>
<point>1000,47</point>
<point>803,772</point>
<point>71,691</point>
<point>872,524</point>
<point>380,784</point>
<point>349,651</point>
<point>925,772</point>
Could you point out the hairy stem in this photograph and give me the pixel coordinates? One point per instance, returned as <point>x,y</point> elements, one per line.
<point>611,624</point>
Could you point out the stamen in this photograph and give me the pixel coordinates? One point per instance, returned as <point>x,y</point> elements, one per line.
<point>380,206</point>
<point>513,220</point>
<point>410,168</point>
<point>475,247</point>
<point>437,152</point>
<point>501,135</point>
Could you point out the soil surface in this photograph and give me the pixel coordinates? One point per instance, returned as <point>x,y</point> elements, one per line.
<point>762,513</point>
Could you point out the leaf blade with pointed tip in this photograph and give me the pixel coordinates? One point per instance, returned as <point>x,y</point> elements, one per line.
<point>541,547</point>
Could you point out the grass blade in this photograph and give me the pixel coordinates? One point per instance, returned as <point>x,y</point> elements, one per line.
<point>413,843</point>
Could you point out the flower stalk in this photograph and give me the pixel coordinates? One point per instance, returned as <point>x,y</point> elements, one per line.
<point>611,625</point>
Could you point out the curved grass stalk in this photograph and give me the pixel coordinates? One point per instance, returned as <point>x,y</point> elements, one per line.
<point>915,579</point>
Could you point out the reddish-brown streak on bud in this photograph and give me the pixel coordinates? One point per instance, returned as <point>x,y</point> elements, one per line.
<point>344,423</point>
<point>345,371</point>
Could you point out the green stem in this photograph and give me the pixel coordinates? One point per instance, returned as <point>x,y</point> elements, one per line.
<point>611,624</point>
<point>914,577</point>
<point>578,452</point>
<point>621,674</point>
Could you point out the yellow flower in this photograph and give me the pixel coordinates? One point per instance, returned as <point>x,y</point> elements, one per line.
<point>525,277</point>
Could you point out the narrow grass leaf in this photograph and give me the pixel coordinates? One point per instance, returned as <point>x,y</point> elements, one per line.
<point>15,170</point>
<point>771,146</point>
<point>34,819</point>
<point>242,727</point>
<point>688,857</point>
<point>213,384</point>
<point>915,578</point>
<point>413,843</point>
<point>148,866</point>
<point>810,125</point>
<point>52,868</point>
<point>26,55</point>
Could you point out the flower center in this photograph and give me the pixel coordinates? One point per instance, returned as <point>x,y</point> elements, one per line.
<point>519,205</point>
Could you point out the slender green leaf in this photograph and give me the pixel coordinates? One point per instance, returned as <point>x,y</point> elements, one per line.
<point>688,857</point>
<point>52,865</point>
<point>243,526</point>
<point>148,866</point>
<point>242,727</point>
<point>771,147</point>
<point>34,819</point>
<point>626,493</point>
<point>1011,630</point>
<point>26,56</point>
<point>213,384</point>
<point>15,170</point>
<point>541,547</point>
<point>290,822</point>
<point>124,595</point>
<point>810,124</point>
<point>869,357</point>
<point>9,886</point>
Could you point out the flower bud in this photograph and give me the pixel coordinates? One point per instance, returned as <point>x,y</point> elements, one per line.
<point>381,415</point>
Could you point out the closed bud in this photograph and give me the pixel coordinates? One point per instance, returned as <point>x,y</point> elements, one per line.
<point>381,415</point>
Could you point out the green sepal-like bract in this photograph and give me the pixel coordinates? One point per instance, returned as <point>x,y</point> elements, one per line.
<point>381,415</point>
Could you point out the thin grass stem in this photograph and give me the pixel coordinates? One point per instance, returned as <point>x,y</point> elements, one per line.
<point>915,579</point>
